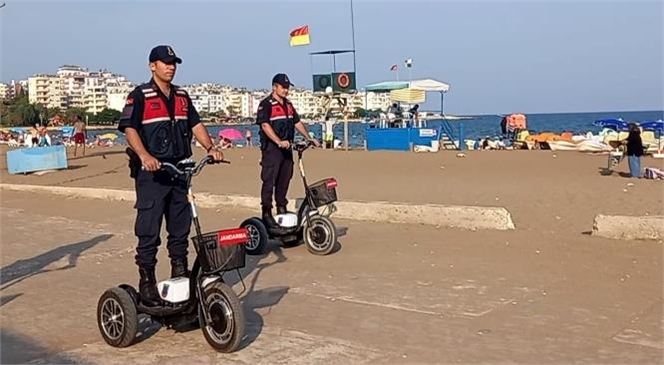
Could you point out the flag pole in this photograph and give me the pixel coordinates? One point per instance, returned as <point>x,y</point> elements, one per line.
<point>352,29</point>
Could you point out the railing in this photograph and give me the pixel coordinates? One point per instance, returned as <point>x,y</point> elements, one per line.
<point>449,132</point>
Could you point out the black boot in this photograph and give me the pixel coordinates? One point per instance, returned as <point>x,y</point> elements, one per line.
<point>147,287</point>
<point>179,268</point>
<point>268,219</point>
<point>281,209</point>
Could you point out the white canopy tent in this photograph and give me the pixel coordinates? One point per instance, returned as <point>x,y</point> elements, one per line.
<point>429,85</point>
<point>411,91</point>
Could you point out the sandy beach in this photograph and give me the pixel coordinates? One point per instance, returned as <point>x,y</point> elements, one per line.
<point>545,191</point>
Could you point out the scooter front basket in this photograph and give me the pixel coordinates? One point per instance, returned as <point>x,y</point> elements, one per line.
<point>222,250</point>
<point>324,192</point>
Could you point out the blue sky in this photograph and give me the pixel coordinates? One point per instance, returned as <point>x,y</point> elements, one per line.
<point>498,56</point>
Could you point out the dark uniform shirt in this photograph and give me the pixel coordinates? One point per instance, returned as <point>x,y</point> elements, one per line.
<point>282,118</point>
<point>164,123</point>
<point>634,144</point>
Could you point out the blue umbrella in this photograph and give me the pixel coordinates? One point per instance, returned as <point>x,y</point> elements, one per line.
<point>615,124</point>
<point>657,126</point>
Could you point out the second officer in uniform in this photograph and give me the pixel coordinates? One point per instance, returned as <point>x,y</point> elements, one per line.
<point>278,120</point>
<point>159,121</point>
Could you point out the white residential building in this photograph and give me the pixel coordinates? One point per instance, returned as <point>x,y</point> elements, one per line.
<point>210,103</point>
<point>74,86</point>
<point>45,90</point>
<point>94,95</point>
<point>372,101</point>
<point>4,91</point>
<point>116,95</point>
<point>304,101</point>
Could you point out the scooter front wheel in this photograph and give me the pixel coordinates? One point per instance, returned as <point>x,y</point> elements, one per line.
<point>320,235</point>
<point>227,327</point>
<point>258,236</point>
<point>117,318</point>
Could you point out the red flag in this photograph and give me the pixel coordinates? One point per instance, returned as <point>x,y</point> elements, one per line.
<point>300,36</point>
<point>393,68</point>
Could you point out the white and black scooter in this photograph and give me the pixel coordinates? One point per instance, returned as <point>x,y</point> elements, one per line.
<point>202,297</point>
<point>317,231</point>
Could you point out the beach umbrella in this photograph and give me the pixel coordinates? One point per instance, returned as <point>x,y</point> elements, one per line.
<point>657,126</point>
<point>615,124</point>
<point>231,133</point>
<point>111,136</point>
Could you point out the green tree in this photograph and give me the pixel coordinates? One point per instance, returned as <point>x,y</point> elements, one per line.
<point>70,113</point>
<point>20,113</point>
<point>106,116</point>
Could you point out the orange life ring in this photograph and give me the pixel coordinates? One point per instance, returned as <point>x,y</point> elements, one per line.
<point>343,80</point>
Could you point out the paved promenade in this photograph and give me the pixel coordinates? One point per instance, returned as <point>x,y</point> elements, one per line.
<point>395,294</point>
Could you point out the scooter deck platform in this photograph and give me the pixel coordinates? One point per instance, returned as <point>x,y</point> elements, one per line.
<point>281,231</point>
<point>163,310</point>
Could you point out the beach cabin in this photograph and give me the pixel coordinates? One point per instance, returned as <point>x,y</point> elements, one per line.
<point>403,132</point>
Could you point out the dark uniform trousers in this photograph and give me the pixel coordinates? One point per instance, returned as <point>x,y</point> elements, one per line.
<point>160,195</point>
<point>276,173</point>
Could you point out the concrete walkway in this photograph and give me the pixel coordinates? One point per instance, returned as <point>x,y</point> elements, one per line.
<point>392,294</point>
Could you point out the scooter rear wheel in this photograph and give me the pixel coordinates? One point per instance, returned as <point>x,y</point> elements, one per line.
<point>117,318</point>
<point>320,235</point>
<point>228,323</point>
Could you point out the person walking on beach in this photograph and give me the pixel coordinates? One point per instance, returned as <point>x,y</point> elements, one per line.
<point>247,137</point>
<point>159,120</point>
<point>634,146</point>
<point>278,121</point>
<point>80,134</point>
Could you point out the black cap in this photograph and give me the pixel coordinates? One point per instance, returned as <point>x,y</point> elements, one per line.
<point>282,79</point>
<point>164,54</point>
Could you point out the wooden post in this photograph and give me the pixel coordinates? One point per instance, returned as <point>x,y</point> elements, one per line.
<point>346,131</point>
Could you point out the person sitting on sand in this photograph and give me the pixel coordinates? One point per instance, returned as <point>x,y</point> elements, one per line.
<point>226,143</point>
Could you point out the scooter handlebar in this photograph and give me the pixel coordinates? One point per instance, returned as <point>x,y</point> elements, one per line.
<point>188,165</point>
<point>301,145</point>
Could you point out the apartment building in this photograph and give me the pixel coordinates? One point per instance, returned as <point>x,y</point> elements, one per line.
<point>207,97</point>
<point>373,101</point>
<point>4,91</point>
<point>116,95</point>
<point>45,90</point>
<point>94,94</point>
<point>75,86</point>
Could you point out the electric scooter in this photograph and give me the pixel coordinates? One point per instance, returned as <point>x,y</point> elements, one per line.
<point>202,297</point>
<point>316,230</point>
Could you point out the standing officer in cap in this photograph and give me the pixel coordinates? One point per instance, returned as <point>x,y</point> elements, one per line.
<point>278,120</point>
<point>159,121</point>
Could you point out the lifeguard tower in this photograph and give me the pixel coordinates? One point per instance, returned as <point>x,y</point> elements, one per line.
<point>404,137</point>
<point>334,86</point>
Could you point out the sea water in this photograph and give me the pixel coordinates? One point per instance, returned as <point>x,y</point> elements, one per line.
<point>480,126</point>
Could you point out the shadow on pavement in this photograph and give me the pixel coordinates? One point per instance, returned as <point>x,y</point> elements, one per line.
<point>23,269</point>
<point>19,349</point>
<point>264,298</point>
